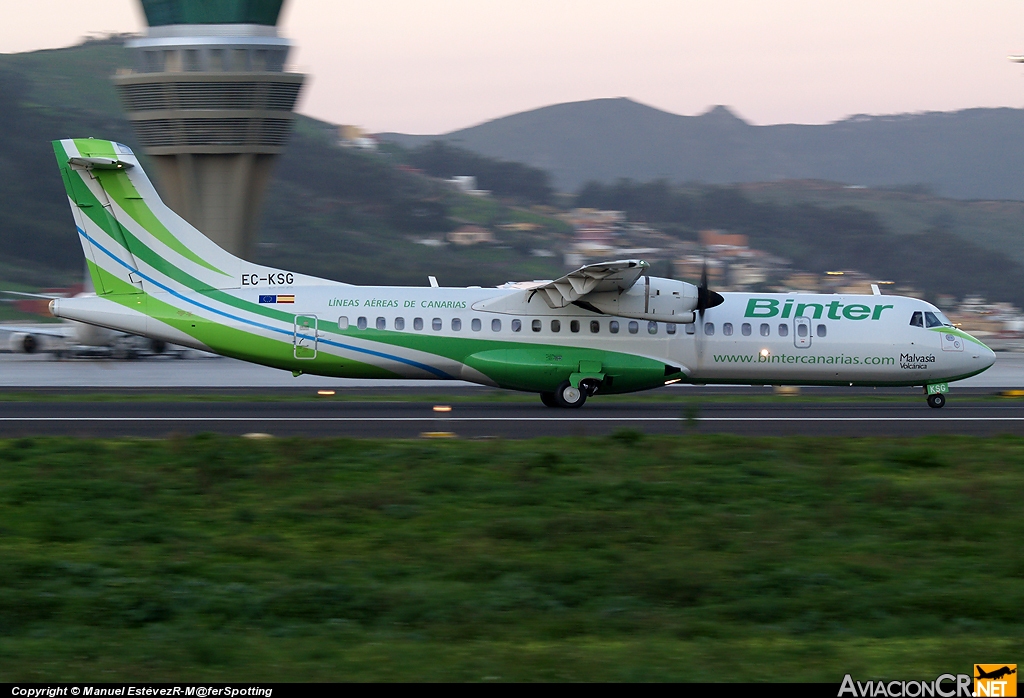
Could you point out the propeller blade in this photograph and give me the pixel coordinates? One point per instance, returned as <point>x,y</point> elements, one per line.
<point>706,298</point>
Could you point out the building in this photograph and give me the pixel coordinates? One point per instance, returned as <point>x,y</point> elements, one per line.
<point>467,185</point>
<point>722,242</point>
<point>355,137</point>
<point>211,104</point>
<point>470,235</point>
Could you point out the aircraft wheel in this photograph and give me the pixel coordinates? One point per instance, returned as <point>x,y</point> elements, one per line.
<point>568,396</point>
<point>937,400</point>
<point>549,400</point>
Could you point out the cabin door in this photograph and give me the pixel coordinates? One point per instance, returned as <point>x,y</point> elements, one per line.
<point>305,337</point>
<point>802,335</point>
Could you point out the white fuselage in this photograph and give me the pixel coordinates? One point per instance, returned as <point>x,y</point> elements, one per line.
<point>748,339</point>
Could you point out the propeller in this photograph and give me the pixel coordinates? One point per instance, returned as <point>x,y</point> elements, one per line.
<point>706,298</point>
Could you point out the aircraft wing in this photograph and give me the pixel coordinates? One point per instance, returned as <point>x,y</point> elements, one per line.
<point>593,278</point>
<point>31,295</point>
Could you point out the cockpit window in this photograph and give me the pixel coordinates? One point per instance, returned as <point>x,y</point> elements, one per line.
<point>931,321</point>
<point>917,319</point>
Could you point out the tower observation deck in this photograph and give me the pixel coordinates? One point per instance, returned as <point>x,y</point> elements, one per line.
<point>212,105</point>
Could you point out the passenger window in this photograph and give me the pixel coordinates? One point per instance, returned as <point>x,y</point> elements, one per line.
<point>670,328</point>
<point>399,323</point>
<point>476,325</point>
<point>765,329</point>
<point>690,328</point>
<point>535,326</point>
<point>436,324</point>
<point>613,326</point>
<point>574,326</point>
<point>652,328</point>
<point>745,329</point>
<point>783,330</point>
<point>361,323</point>
<point>382,324</point>
<point>917,319</point>
<point>727,329</point>
<point>709,329</point>
<point>517,325</point>
<point>417,324</point>
<point>495,325</point>
<point>822,330</point>
<point>801,330</point>
<point>931,321</point>
<point>556,326</point>
<point>595,326</point>
<point>634,327</point>
<point>456,324</point>
<point>343,323</point>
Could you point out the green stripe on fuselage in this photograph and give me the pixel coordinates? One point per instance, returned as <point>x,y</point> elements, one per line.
<point>959,333</point>
<point>233,342</point>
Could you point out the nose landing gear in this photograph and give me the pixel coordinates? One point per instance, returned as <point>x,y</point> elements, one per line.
<point>936,394</point>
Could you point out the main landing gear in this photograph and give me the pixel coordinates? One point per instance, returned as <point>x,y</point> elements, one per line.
<point>567,396</point>
<point>937,400</point>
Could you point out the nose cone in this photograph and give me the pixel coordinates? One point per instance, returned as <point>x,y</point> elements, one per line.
<point>982,357</point>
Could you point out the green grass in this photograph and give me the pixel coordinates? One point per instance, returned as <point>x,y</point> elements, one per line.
<point>618,558</point>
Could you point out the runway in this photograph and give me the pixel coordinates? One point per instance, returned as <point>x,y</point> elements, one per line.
<point>41,370</point>
<point>159,397</point>
<point>473,420</point>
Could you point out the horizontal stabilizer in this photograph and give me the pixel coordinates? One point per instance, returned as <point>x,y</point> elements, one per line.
<point>101,163</point>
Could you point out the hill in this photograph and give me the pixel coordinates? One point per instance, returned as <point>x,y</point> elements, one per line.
<point>819,232</point>
<point>970,154</point>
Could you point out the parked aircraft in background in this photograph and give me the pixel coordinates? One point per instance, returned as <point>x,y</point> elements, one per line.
<point>602,329</point>
<point>72,338</point>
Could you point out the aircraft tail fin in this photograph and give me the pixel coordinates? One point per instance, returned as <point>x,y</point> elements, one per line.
<point>130,237</point>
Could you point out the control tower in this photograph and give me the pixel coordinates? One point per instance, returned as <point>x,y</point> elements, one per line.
<point>211,105</point>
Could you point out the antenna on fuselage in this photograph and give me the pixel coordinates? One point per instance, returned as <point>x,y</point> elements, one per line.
<point>433,282</point>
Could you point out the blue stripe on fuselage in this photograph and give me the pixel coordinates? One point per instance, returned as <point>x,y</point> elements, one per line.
<point>409,362</point>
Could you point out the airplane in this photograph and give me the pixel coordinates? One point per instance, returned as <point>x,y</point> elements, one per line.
<point>995,673</point>
<point>75,338</point>
<point>602,329</point>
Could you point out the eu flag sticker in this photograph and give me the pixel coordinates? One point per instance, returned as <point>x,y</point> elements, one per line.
<point>268,299</point>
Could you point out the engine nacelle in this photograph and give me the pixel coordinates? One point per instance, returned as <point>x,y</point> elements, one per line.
<point>651,298</point>
<point>25,343</point>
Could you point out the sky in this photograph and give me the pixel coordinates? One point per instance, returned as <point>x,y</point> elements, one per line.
<point>433,66</point>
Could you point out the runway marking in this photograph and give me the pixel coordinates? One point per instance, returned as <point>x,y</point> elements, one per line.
<point>511,419</point>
